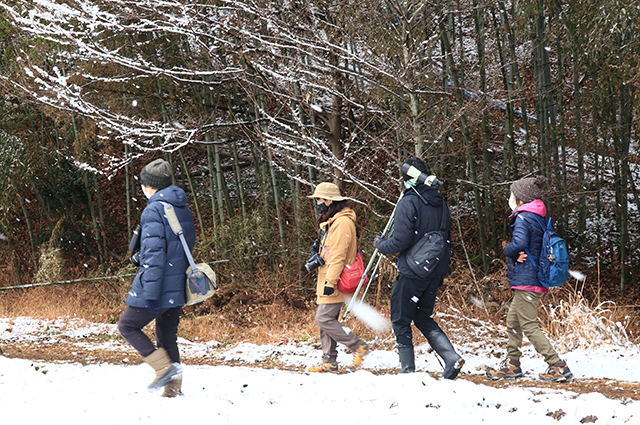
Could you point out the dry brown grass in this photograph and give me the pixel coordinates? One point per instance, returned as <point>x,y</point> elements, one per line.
<point>576,324</point>
<point>565,315</point>
<point>99,301</point>
<point>275,308</point>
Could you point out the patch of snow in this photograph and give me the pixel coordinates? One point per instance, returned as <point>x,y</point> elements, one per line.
<point>39,392</point>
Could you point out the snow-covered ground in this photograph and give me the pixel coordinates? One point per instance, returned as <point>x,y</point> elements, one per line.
<point>33,392</point>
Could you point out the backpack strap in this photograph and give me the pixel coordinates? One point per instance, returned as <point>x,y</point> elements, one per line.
<point>544,228</point>
<point>526,251</point>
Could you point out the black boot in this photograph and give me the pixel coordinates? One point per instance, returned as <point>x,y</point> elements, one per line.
<point>407,361</point>
<point>452,361</point>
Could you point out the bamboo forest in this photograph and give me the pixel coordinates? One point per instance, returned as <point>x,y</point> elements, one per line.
<point>255,102</point>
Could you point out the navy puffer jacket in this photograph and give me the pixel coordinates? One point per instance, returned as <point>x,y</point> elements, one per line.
<point>163,262</point>
<point>412,219</point>
<point>527,234</point>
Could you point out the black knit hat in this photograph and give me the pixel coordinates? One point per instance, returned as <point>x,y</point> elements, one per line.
<point>529,189</point>
<point>157,174</point>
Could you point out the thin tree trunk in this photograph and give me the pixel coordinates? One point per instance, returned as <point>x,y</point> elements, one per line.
<point>196,204</point>
<point>236,173</point>
<point>515,71</point>
<point>625,141</point>
<point>297,215</point>
<point>87,188</point>
<point>16,260</point>
<point>41,200</point>
<point>507,150</point>
<point>582,199</point>
<point>127,193</point>
<point>540,104</point>
<point>212,179</point>
<point>486,131</point>
<point>27,219</point>
<point>595,135</point>
<point>467,142</point>
<point>276,196</point>
<point>560,152</point>
<point>335,120</point>
<point>100,209</point>
<point>219,182</point>
<point>92,212</point>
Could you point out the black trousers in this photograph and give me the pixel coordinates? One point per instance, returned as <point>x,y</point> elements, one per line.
<point>413,300</point>
<point>167,320</point>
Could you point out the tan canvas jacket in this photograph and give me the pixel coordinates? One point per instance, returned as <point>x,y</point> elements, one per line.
<point>339,248</point>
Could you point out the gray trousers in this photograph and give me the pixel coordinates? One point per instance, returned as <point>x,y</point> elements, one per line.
<point>332,332</point>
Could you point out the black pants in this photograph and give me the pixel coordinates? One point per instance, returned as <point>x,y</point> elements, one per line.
<point>167,320</point>
<point>413,300</point>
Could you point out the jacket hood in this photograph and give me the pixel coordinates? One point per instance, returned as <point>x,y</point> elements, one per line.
<point>536,207</point>
<point>429,193</point>
<point>345,212</point>
<point>171,194</point>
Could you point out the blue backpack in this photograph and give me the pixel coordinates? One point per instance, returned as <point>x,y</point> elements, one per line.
<point>553,263</point>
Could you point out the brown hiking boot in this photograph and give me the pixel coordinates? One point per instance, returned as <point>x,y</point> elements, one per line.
<point>358,355</point>
<point>508,369</point>
<point>557,372</point>
<point>165,370</point>
<point>172,389</point>
<point>325,367</point>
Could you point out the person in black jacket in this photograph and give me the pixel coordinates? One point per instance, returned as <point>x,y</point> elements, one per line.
<point>413,298</point>
<point>158,288</point>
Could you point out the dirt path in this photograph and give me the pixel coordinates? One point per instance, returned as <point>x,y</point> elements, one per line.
<point>63,351</point>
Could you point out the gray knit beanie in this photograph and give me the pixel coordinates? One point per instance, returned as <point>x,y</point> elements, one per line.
<point>529,189</point>
<point>157,174</point>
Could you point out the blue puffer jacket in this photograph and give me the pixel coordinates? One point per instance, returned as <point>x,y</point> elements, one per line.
<point>527,234</point>
<point>163,262</point>
<point>412,219</point>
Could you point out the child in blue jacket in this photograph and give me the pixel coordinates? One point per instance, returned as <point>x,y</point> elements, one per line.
<point>527,290</point>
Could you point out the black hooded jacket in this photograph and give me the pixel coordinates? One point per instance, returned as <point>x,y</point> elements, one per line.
<point>412,219</point>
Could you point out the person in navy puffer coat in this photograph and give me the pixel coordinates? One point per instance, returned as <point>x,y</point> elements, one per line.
<point>158,288</point>
<point>527,222</point>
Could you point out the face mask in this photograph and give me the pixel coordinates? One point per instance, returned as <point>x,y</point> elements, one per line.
<point>147,194</point>
<point>512,203</point>
<point>322,208</point>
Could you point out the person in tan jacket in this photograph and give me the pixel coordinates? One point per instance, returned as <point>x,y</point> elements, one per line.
<point>337,247</point>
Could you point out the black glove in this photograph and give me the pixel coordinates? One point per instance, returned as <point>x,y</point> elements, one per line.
<point>328,290</point>
<point>153,306</point>
<point>377,241</point>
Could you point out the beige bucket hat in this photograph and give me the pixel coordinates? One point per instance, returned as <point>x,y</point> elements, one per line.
<point>327,191</point>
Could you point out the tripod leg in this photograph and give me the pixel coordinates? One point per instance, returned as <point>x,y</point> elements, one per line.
<point>355,294</point>
<point>354,297</point>
<point>373,276</point>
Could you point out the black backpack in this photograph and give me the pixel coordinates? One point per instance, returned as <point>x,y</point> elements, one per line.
<point>425,255</point>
